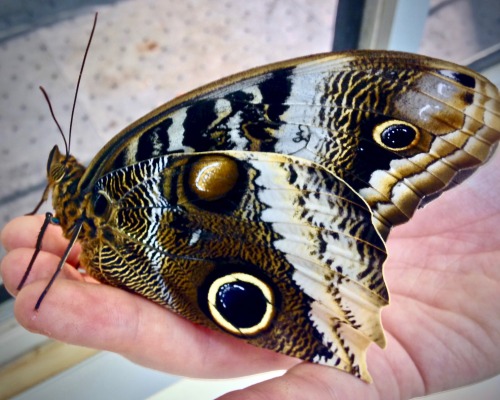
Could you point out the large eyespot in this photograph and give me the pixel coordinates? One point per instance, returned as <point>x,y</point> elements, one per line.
<point>396,135</point>
<point>241,303</point>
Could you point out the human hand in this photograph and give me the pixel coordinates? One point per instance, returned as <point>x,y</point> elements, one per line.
<point>442,324</point>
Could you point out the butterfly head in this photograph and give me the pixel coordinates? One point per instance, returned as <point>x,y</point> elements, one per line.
<point>63,175</point>
<point>55,166</point>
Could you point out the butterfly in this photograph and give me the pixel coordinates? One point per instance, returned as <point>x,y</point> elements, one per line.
<point>259,205</point>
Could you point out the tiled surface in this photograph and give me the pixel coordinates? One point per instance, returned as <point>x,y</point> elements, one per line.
<point>147,51</point>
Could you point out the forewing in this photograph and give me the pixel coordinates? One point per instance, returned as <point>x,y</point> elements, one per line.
<point>396,127</point>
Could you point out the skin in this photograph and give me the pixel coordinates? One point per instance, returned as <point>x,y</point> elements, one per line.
<point>442,325</point>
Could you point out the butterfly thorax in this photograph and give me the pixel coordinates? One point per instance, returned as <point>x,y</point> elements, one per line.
<point>63,174</point>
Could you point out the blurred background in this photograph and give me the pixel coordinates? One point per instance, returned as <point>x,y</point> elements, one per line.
<point>143,54</point>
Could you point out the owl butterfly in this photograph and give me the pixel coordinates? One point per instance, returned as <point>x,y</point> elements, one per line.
<point>258,205</point>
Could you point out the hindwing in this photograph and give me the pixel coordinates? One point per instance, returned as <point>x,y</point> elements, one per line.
<point>270,248</point>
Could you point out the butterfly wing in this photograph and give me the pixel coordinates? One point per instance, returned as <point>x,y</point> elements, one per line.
<point>273,249</point>
<point>396,127</point>
<point>198,207</point>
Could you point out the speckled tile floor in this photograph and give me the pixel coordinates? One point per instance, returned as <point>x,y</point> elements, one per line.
<point>146,52</point>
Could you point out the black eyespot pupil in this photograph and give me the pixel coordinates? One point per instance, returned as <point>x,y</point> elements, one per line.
<point>241,303</point>
<point>100,205</point>
<point>398,136</point>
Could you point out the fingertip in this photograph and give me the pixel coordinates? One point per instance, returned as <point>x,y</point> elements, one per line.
<point>9,274</point>
<point>24,308</point>
<point>63,312</point>
<point>9,234</point>
<point>15,263</point>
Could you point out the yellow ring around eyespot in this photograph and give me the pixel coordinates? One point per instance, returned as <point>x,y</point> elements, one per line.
<point>241,277</point>
<point>380,128</point>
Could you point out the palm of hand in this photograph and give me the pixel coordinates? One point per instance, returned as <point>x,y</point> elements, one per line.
<point>443,274</point>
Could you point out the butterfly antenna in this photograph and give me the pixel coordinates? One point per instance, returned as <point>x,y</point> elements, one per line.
<point>78,84</point>
<point>54,118</point>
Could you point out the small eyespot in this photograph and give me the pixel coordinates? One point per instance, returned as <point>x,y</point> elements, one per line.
<point>460,77</point>
<point>100,205</point>
<point>241,304</point>
<point>396,135</point>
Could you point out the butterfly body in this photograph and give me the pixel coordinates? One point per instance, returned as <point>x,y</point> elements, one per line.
<point>259,205</point>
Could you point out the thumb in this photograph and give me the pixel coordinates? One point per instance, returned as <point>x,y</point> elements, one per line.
<point>309,381</point>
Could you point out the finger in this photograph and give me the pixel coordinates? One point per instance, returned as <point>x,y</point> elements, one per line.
<point>14,264</point>
<point>23,232</point>
<point>103,317</point>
